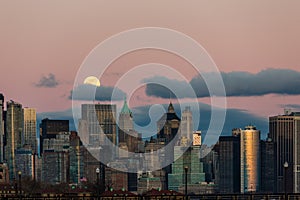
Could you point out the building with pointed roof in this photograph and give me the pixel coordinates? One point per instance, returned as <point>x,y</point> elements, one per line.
<point>168,125</point>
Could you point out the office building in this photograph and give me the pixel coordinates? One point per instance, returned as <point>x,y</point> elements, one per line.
<point>100,123</point>
<point>76,158</point>
<point>128,137</point>
<point>190,159</point>
<point>229,164</point>
<point>284,130</point>
<point>55,167</point>
<point>268,178</point>
<point>49,128</point>
<point>14,129</point>
<point>250,159</point>
<point>168,125</point>
<point>186,124</point>
<point>25,161</point>
<point>1,127</point>
<point>29,128</point>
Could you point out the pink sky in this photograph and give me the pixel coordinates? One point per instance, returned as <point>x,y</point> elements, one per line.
<point>42,37</point>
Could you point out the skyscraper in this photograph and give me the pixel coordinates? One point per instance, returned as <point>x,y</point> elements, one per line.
<point>1,127</point>
<point>229,164</point>
<point>14,126</point>
<point>268,166</point>
<point>250,159</point>
<point>29,128</point>
<point>128,137</point>
<point>49,128</point>
<point>190,159</point>
<point>100,121</point>
<point>186,124</point>
<point>285,132</point>
<point>168,125</point>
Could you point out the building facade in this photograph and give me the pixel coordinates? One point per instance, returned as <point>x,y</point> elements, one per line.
<point>250,159</point>
<point>284,130</point>
<point>229,164</point>
<point>29,128</point>
<point>14,126</point>
<point>100,123</point>
<point>2,128</point>
<point>268,179</point>
<point>49,128</point>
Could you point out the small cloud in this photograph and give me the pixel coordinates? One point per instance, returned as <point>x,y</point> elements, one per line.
<point>47,81</point>
<point>91,92</point>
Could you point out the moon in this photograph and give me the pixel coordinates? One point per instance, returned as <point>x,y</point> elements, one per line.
<point>92,80</point>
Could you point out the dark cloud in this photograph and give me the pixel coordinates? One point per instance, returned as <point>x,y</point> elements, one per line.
<point>47,81</point>
<point>291,106</point>
<point>270,81</point>
<point>90,93</point>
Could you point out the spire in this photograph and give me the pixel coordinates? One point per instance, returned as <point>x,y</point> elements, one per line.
<point>171,108</point>
<point>125,108</point>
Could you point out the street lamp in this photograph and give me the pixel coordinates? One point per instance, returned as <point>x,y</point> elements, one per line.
<point>185,173</point>
<point>285,165</point>
<point>97,172</point>
<point>20,183</point>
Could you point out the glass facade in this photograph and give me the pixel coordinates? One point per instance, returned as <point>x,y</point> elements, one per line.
<point>250,159</point>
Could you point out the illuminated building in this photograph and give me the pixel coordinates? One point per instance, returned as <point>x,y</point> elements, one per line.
<point>29,128</point>
<point>250,159</point>
<point>14,127</point>
<point>284,130</point>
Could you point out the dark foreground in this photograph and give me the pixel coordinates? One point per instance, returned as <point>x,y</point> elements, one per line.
<point>164,197</point>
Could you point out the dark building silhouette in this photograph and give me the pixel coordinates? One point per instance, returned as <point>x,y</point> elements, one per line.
<point>49,128</point>
<point>2,128</point>
<point>229,164</point>
<point>168,125</point>
<point>268,166</point>
<point>284,130</point>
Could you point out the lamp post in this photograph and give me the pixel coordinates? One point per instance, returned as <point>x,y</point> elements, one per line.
<point>97,172</point>
<point>285,165</point>
<point>20,183</point>
<point>185,173</point>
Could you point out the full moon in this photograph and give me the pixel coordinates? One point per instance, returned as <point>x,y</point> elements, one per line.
<point>92,80</point>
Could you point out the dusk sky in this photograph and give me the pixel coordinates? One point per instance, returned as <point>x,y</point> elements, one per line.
<point>43,44</point>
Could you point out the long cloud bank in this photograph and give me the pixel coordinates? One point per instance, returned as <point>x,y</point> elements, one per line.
<point>269,81</point>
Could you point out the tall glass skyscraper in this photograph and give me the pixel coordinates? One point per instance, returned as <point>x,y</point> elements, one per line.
<point>14,128</point>
<point>29,128</point>
<point>250,159</point>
